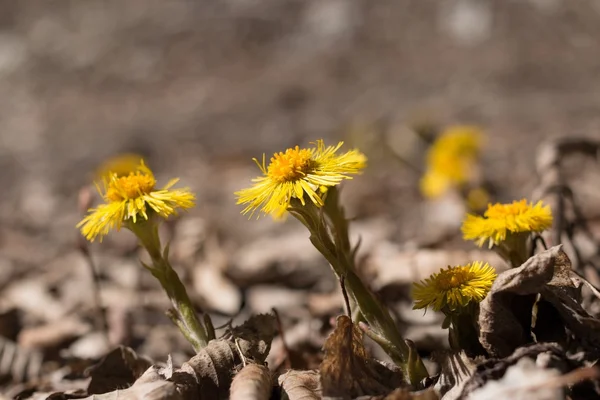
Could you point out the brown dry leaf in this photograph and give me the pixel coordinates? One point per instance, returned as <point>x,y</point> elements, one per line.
<point>541,363</point>
<point>150,386</point>
<point>53,334</point>
<point>522,381</point>
<point>18,363</point>
<point>456,369</point>
<point>301,385</point>
<point>209,373</point>
<point>117,370</point>
<point>505,314</point>
<point>347,371</point>
<point>404,394</point>
<point>253,382</point>
<point>218,292</point>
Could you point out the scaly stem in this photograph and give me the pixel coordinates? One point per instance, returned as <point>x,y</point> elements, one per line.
<point>183,313</point>
<point>330,236</point>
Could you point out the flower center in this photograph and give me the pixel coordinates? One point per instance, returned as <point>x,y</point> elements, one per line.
<point>452,278</point>
<point>130,187</point>
<point>291,165</point>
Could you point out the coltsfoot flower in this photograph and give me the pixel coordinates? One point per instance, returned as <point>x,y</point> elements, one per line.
<point>127,198</point>
<point>500,220</point>
<point>455,287</point>
<point>451,160</point>
<point>298,172</point>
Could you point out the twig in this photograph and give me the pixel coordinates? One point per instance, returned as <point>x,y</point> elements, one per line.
<point>101,319</point>
<point>346,298</point>
<point>286,349</point>
<point>549,168</point>
<point>83,204</point>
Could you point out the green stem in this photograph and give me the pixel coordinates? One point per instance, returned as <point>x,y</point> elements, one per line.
<point>340,255</point>
<point>183,313</point>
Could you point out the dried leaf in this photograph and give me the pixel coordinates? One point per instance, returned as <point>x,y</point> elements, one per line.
<point>253,382</point>
<point>150,386</point>
<point>546,355</point>
<point>505,314</point>
<point>117,370</point>
<point>347,371</point>
<point>522,381</point>
<point>301,385</point>
<point>209,373</point>
<point>18,363</point>
<point>456,369</point>
<point>404,394</point>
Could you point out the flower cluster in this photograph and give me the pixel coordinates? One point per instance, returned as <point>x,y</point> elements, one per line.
<point>451,160</point>
<point>500,220</point>
<point>298,172</point>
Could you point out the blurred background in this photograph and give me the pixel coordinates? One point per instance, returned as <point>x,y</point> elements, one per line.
<point>198,88</point>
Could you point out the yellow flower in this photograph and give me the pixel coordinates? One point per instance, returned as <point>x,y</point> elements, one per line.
<point>454,287</point>
<point>121,164</point>
<point>127,198</point>
<point>451,160</point>
<point>501,219</point>
<point>297,172</point>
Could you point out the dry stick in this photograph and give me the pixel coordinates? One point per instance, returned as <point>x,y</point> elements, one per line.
<point>548,164</point>
<point>101,319</point>
<point>286,349</point>
<point>346,298</point>
<point>84,202</point>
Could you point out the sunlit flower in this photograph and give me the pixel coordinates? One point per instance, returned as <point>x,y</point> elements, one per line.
<point>451,160</point>
<point>298,172</point>
<point>130,197</point>
<point>454,287</point>
<point>499,220</point>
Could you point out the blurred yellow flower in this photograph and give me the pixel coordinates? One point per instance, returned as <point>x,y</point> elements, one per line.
<point>451,160</point>
<point>127,198</point>
<point>296,172</point>
<point>121,164</point>
<point>454,287</point>
<point>501,219</point>
<point>478,199</point>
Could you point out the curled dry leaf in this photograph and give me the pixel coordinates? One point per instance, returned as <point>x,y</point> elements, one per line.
<point>208,374</point>
<point>253,382</point>
<point>347,371</point>
<point>117,370</point>
<point>150,386</point>
<point>301,385</point>
<point>506,313</point>
<point>456,369</point>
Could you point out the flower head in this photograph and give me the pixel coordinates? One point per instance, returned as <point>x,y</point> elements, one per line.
<point>298,172</point>
<point>501,219</point>
<point>129,197</point>
<point>454,287</point>
<point>451,160</point>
